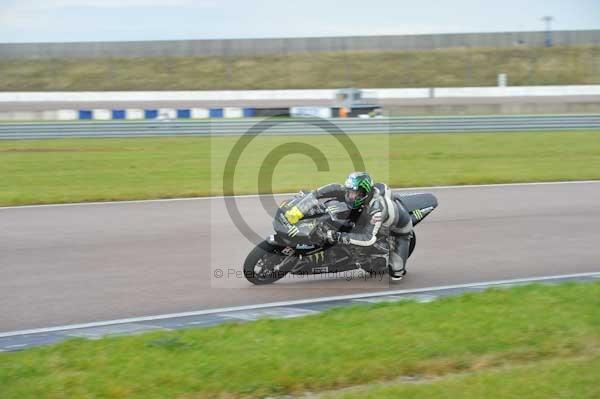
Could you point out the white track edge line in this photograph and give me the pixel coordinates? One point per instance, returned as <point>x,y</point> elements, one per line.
<point>549,183</point>
<point>289,303</point>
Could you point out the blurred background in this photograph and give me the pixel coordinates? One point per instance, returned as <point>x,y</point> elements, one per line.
<point>146,45</point>
<point>438,60</point>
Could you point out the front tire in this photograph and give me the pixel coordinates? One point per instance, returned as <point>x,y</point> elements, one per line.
<point>259,266</point>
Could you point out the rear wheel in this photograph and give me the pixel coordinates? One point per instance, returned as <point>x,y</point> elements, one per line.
<point>265,265</point>
<point>413,243</point>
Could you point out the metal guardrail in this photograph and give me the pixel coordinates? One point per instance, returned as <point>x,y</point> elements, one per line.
<point>297,126</point>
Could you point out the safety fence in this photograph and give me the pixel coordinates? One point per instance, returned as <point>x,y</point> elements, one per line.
<point>298,126</point>
<point>285,46</point>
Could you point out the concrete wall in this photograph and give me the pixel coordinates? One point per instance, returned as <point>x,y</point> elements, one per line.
<point>427,101</point>
<point>512,108</point>
<point>317,94</point>
<point>248,47</point>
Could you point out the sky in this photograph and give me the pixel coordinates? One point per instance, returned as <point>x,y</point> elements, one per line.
<point>122,20</point>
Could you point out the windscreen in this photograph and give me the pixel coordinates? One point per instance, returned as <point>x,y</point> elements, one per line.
<point>301,207</point>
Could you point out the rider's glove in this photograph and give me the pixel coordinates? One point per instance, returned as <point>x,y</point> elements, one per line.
<point>333,236</point>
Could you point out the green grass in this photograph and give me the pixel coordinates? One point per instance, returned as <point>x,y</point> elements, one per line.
<point>564,378</point>
<point>558,65</point>
<point>74,170</point>
<point>523,335</point>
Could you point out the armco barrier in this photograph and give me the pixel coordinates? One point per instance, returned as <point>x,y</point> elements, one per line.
<point>295,126</point>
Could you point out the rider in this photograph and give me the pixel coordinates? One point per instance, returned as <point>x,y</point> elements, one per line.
<point>376,210</point>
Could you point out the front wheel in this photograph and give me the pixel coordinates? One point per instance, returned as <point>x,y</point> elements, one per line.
<point>265,265</point>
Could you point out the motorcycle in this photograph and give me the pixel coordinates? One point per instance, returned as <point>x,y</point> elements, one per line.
<point>299,245</point>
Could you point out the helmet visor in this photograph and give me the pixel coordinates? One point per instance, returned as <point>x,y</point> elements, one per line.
<point>354,198</point>
<point>352,195</point>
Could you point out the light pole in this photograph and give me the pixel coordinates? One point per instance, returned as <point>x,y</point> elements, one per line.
<point>548,20</point>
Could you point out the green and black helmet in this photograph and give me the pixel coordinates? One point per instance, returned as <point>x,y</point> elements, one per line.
<point>359,187</point>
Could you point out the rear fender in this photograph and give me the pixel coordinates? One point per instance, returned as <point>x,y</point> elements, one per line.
<point>419,205</point>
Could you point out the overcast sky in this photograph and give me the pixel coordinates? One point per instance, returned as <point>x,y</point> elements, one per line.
<point>99,20</point>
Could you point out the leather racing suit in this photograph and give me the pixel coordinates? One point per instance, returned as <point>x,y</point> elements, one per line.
<point>382,215</point>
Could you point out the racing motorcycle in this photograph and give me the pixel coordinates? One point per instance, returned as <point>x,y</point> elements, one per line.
<point>299,245</point>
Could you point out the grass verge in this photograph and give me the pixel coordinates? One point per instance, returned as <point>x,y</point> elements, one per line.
<point>75,170</point>
<point>454,67</point>
<point>535,327</point>
<point>574,378</point>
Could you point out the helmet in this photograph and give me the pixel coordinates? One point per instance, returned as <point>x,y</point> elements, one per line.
<point>359,187</point>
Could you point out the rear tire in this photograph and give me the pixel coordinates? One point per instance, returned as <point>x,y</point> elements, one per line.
<point>264,257</point>
<point>413,243</point>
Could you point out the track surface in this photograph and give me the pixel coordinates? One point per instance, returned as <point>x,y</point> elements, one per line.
<point>83,263</point>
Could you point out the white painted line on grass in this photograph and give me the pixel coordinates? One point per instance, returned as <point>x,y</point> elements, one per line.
<point>550,183</point>
<point>280,313</point>
<point>16,346</point>
<point>421,298</point>
<point>290,303</point>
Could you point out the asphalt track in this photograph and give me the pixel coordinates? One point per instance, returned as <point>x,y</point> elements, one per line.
<point>83,263</point>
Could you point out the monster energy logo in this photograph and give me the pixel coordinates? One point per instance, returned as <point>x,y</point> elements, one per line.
<point>315,257</point>
<point>332,209</point>
<point>366,185</point>
<point>292,231</point>
<point>418,214</point>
